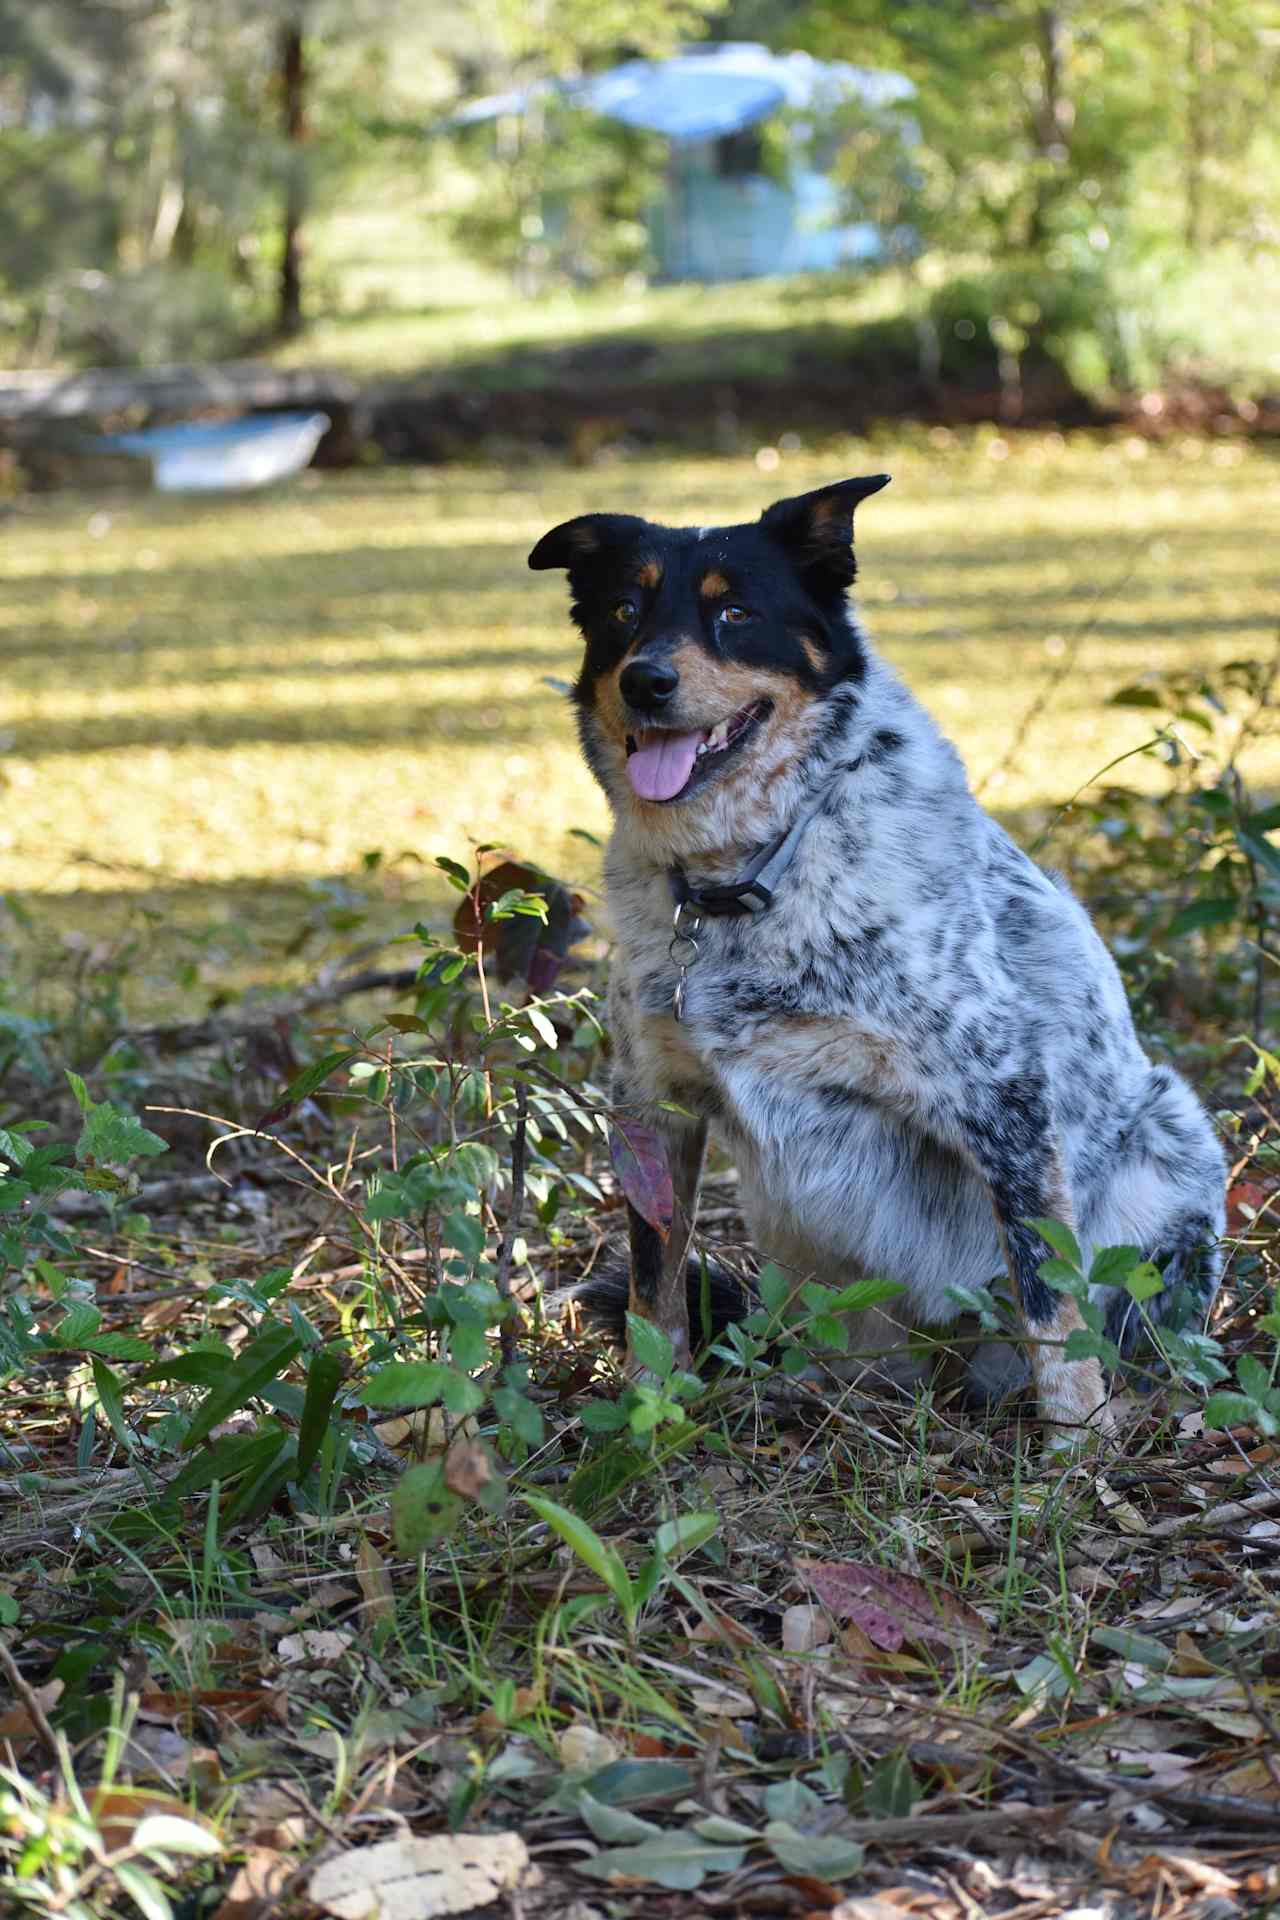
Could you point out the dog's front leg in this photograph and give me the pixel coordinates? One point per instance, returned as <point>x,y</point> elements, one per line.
<point>659,1288</point>
<point>1011,1137</point>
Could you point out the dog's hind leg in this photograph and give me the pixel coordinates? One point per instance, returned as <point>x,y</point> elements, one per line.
<point>1009,1133</point>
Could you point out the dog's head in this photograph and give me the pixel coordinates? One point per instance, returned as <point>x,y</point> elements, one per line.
<point>708,650</point>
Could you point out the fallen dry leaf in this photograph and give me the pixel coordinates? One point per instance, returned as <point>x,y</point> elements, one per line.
<point>228,1706</point>
<point>16,1723</point>
<point>866,1907</point>
<point>375,1582</point>
<point>415,1879</point>
<point>159,1753</point>
<point>260,1877</point>
<point>119,1811</point>
<point>892,1608</point>
<point>721,1629</point>
<point>266,1559</point>
<point>469,1470</point>
<point>580,1747</point>
<point>804,1628</point>
<point>320,1646</point>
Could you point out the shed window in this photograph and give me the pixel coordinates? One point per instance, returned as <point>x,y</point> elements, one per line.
<point>739,154</point>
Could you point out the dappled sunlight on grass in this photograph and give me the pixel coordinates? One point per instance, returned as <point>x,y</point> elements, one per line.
<point>264,689</point>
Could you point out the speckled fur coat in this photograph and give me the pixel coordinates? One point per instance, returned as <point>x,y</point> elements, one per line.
<point>920,1046</point>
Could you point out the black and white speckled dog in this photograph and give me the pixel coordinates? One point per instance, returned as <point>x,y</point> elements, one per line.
<point>910,1038</point>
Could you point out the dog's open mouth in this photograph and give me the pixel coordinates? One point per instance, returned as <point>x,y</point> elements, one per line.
<point>662,765</point>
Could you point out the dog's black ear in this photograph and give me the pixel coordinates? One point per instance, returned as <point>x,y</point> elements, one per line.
<point>817,528</point>
<point>575,542</point>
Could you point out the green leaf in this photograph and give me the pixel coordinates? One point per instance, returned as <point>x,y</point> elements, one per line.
<point>80,1091</point>
<point>459,1395</point>
<point>423,1509</point>
<point>1203,913</point>
<point>774,1287</point>
<point>411,1383</point>
<point>685,1533</point>
<point>636,1783</point>
<point>604,1561</point>
<point>1060,1238</point>
<point>229,1457</point>
<point>1259,850</point>
<point>200,1368</point>
<point>614,1825</point>
<point>892,1789</point>
<point>1061,1275</point>
<point>113,1136</point>
<point>830,1331</point>
<point>1081,1344</point>
<point>456,875</point>
<point>1229,1410</point>
<point>262,1360</point>
<point>78,1324</point>
<point>324,1377</point>
<point>119,1346</point>
<point>144,1890</point>
<point>819,1856</point>
<point>306,1083</point>
<point>109,1389</point>
<point>1137,1647</point>
<point>1112,1266</point>
<point>601,1416</point>
<point>1254,1378</point>
<point>863,1294</point>
<point>519,1413</point>
<point>678,1860</point>
<point>650,1347</point>
<point>1145,1282</point>
<point>791,1800</point>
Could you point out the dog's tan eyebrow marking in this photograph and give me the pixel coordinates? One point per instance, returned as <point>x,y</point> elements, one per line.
<point>650,574</point>
<point>812,653</point>
<point>712,586</point>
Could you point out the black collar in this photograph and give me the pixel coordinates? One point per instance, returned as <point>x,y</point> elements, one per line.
<point>755,887</point>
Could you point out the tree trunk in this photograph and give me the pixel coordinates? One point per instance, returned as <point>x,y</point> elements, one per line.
<point>293,103</point>
<point>1199,67</point>
<point>1052,121</point>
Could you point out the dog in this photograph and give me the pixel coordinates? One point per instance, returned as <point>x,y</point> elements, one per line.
<point>910,1038</point>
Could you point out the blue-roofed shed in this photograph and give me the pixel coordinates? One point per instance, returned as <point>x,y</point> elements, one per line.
<point>723,216</point>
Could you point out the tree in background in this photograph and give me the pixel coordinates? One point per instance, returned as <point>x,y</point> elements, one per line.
<point>1074,154</point>
<point>156,167</point>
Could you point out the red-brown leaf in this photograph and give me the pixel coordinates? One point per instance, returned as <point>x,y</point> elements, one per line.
<point>892,1608</point>
<point>640,1162</point>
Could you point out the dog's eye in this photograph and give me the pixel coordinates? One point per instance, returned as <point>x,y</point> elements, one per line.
<point>734,615</point>
<point>624,613</point>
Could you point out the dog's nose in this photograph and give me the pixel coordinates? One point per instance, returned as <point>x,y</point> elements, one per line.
<point>648,684</point>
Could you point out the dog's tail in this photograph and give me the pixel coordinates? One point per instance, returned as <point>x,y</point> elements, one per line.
<point>717,1297</point>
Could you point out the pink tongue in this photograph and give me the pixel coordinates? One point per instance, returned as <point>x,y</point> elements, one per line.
<point>662,763</point>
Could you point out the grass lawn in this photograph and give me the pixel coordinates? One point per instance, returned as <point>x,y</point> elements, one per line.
<point>262,690</point>
<point>395,296</point>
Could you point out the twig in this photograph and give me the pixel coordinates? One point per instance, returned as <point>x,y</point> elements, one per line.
<point>187,1034</point>
<point>26,1693</point>
<point>1265,1502</point>
<point>925,1829</point>
<point>502,1279</point>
